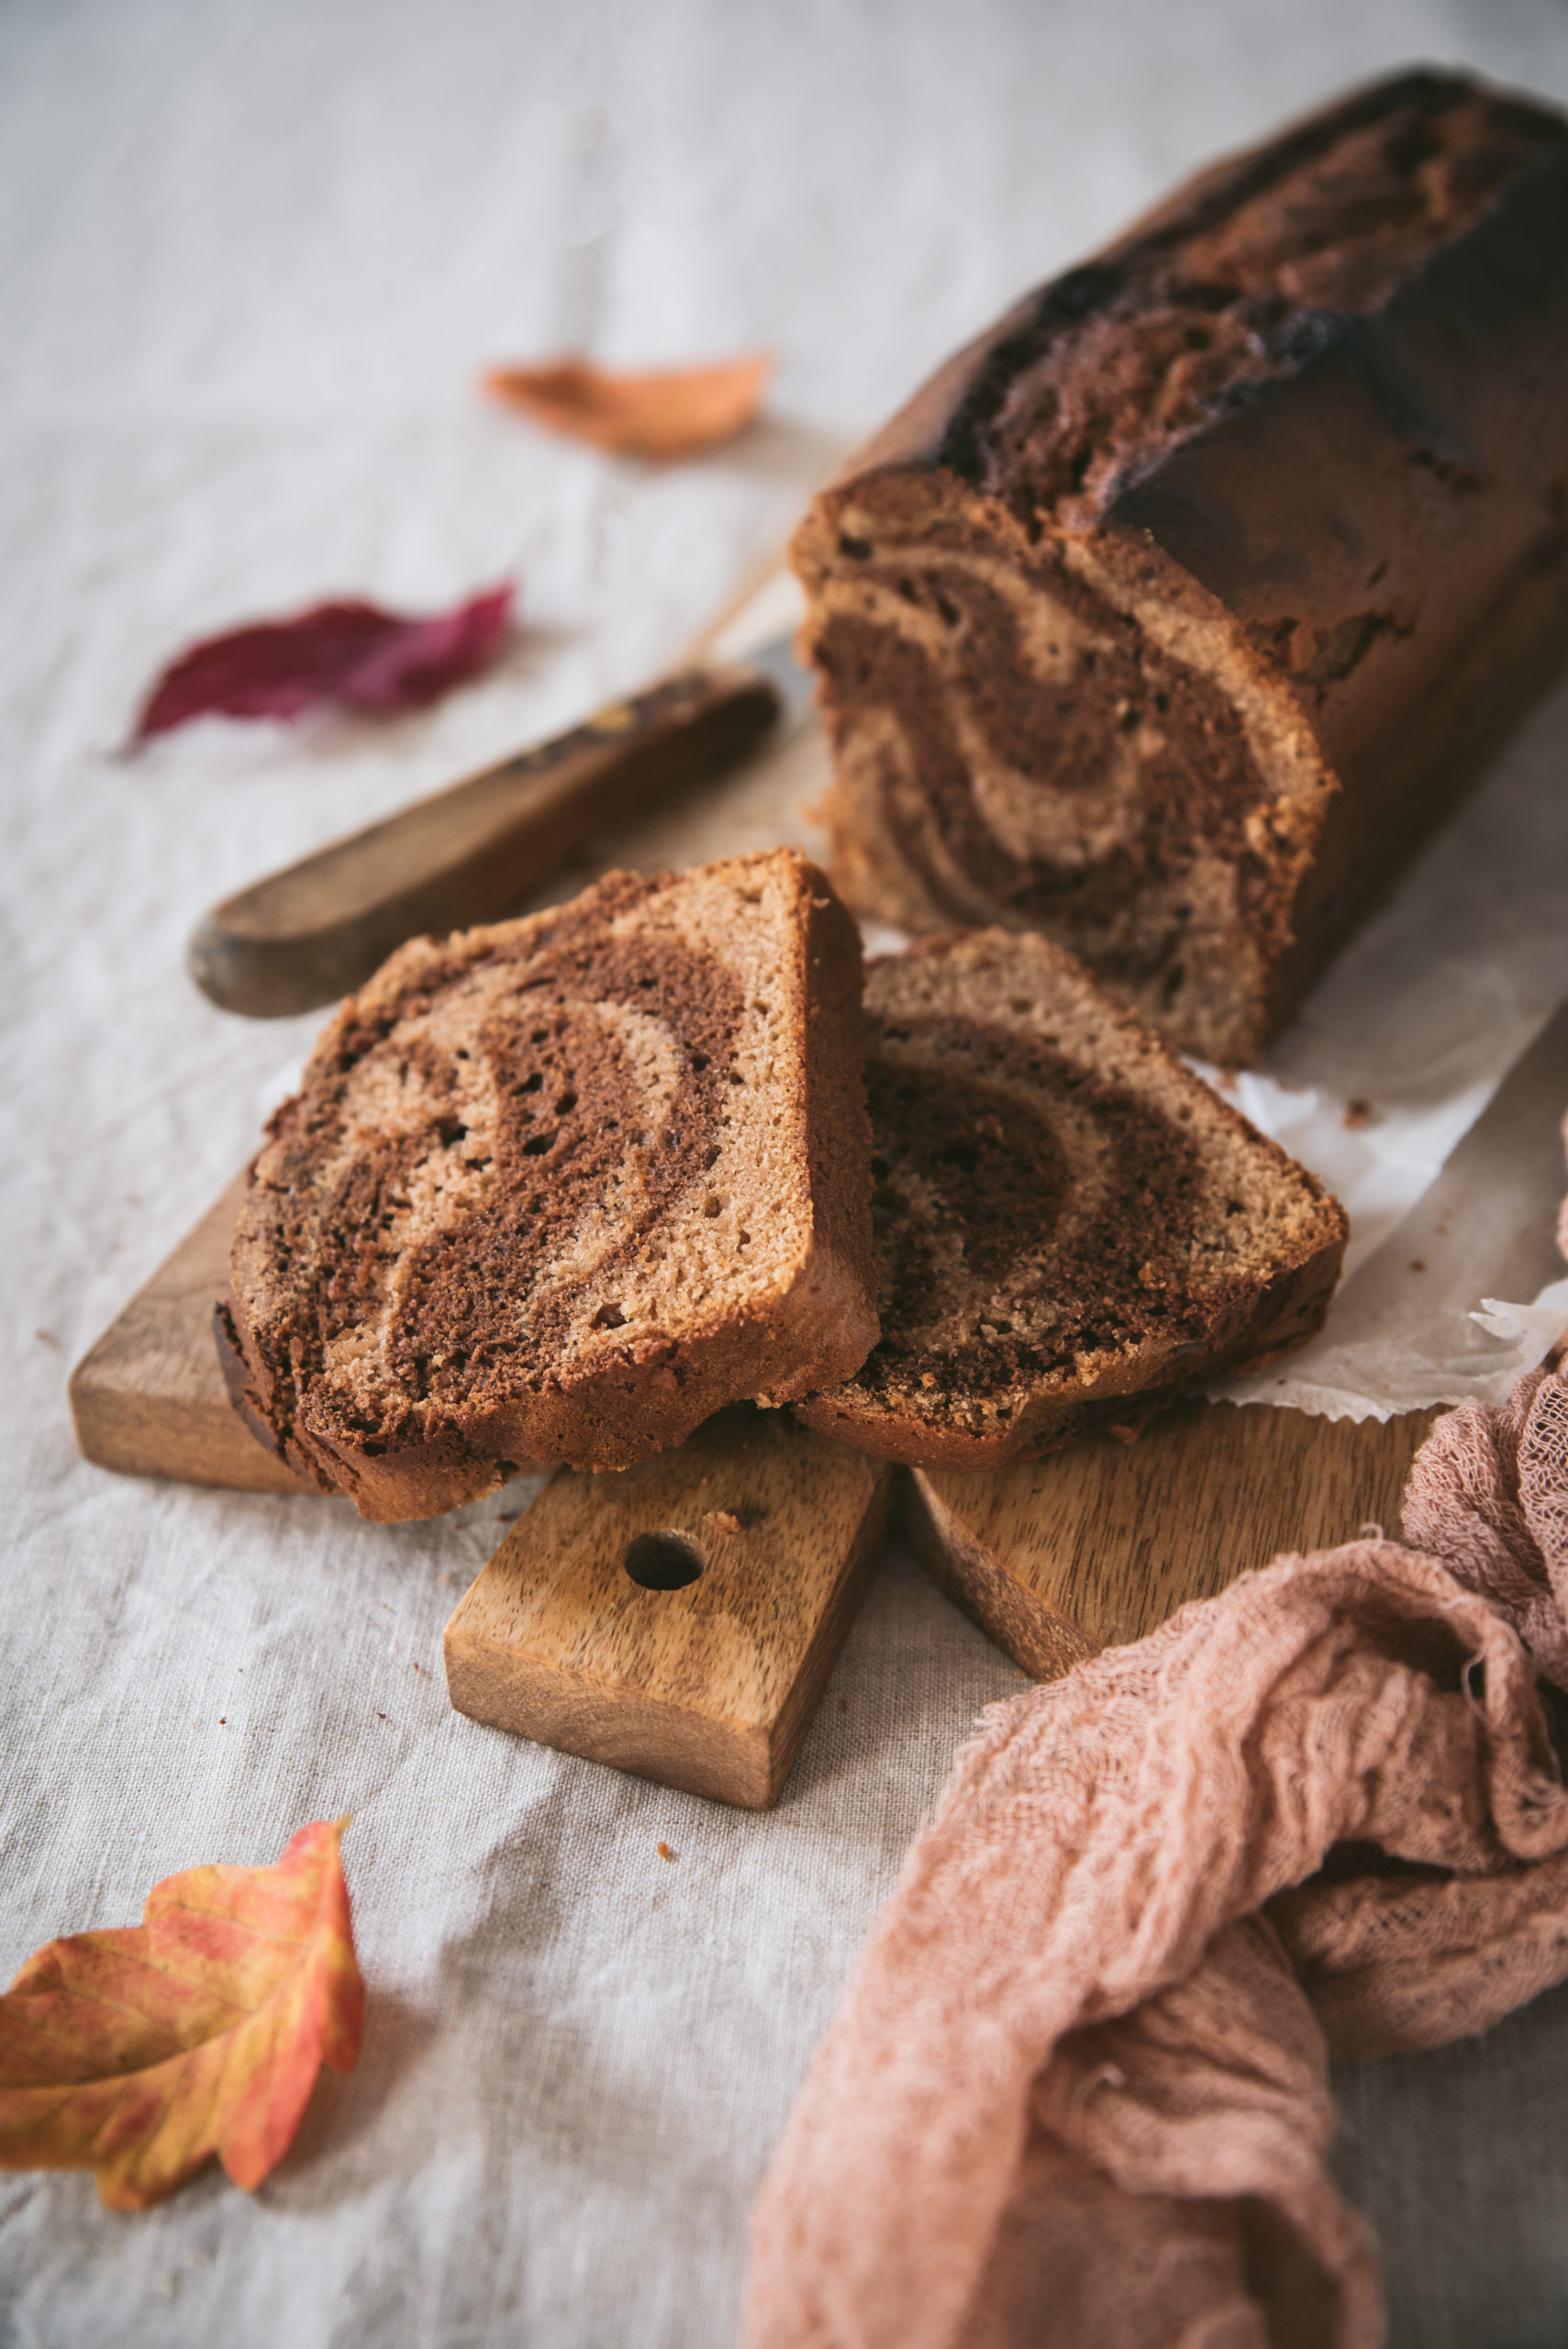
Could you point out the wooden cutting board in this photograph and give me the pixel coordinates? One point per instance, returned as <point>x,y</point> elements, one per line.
<point>148,1398</point>
<point>1096,1545</point>
<point>711,1688</point>
<point>1054,1557</point>
<point>678,1621</point>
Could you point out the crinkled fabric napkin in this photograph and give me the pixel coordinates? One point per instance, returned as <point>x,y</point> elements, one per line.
<point>1077,2088</point>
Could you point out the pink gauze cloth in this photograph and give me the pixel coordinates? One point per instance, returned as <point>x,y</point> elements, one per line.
<point>1076,2091</point>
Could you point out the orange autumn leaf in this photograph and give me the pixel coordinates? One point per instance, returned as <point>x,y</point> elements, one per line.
<point>140,2051</point>
<point>672,413</point>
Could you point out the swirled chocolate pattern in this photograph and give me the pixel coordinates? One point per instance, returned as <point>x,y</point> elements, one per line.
<point>551,1189</point>
<point>1017,1201</point>
<point>1070,1226</point>
<point>1020,750</point>
<point>1171,614</point>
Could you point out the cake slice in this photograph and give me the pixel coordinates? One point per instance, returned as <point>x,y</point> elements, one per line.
<point>559,1188</point>
<point>1072,1227</point>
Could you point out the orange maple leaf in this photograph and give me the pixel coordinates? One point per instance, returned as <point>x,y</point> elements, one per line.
<point>139,2051</point>
<point>672,413</point>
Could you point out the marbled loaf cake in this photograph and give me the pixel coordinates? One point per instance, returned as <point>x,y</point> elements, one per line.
<point>1171,615</point>
<point>559,1188</point>
<point>1072,1228</point>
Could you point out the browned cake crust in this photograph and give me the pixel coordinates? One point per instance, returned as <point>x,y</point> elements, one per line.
<point>1072,1228</point>
<point>1172,615</point>
<point>559,1188</point>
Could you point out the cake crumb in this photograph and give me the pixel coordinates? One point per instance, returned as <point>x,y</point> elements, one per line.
<point>1357,1113</point>
<point>47,1338</point>
<point>1225,1079</point>
<point>664,1852</point>
<point>723,1520</point>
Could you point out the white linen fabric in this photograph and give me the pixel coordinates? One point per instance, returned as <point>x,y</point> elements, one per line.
<point>253,253</point>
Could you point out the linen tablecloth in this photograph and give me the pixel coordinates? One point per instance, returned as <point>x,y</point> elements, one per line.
<point>252,254</point>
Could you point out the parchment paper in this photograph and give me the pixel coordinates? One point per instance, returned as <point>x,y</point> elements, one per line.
<point>1389,1069</point>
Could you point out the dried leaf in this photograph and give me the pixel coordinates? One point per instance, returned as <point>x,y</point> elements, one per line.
<point>355,654</point>
<point>139,2051</point>
<point>669,414</point>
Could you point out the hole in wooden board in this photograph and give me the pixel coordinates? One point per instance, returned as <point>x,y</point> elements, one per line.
<point>664,1561</point>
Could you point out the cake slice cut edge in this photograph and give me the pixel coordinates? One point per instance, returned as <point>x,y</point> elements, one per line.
<point>1073,1228</point>
<point>1154,622</point>
<point>557,1189</point>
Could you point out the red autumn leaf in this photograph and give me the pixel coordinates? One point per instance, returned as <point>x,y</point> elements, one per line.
<point>139,2051</point>
<point>669,414</point>
<point>355,654</point>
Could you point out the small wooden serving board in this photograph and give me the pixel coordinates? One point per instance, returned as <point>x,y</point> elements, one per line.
<point>1054,1558</point>
<point>148,1398</point>
<point>1098,1544</point>
<point>678,1621</point>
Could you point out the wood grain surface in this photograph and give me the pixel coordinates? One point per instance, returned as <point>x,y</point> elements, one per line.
<point>148,1398</point>
<point>707,1687</point>
<point>1054,1558</point>
<point>1098,1544</point>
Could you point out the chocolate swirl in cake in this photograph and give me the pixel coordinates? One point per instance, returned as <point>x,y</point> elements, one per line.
<point>1070,1226</point>
<point>1033,756</point>
<point>1004,1169</point>
<point>1171,615</point>
<point>535,1173</point>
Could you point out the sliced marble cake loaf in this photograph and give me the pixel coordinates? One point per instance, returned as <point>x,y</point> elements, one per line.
<point>1072,1225</point>
<point>559,1188</point>
<point>1171,614</point>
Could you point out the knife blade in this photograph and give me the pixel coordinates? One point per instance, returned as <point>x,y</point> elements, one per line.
<point>303,936</point>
